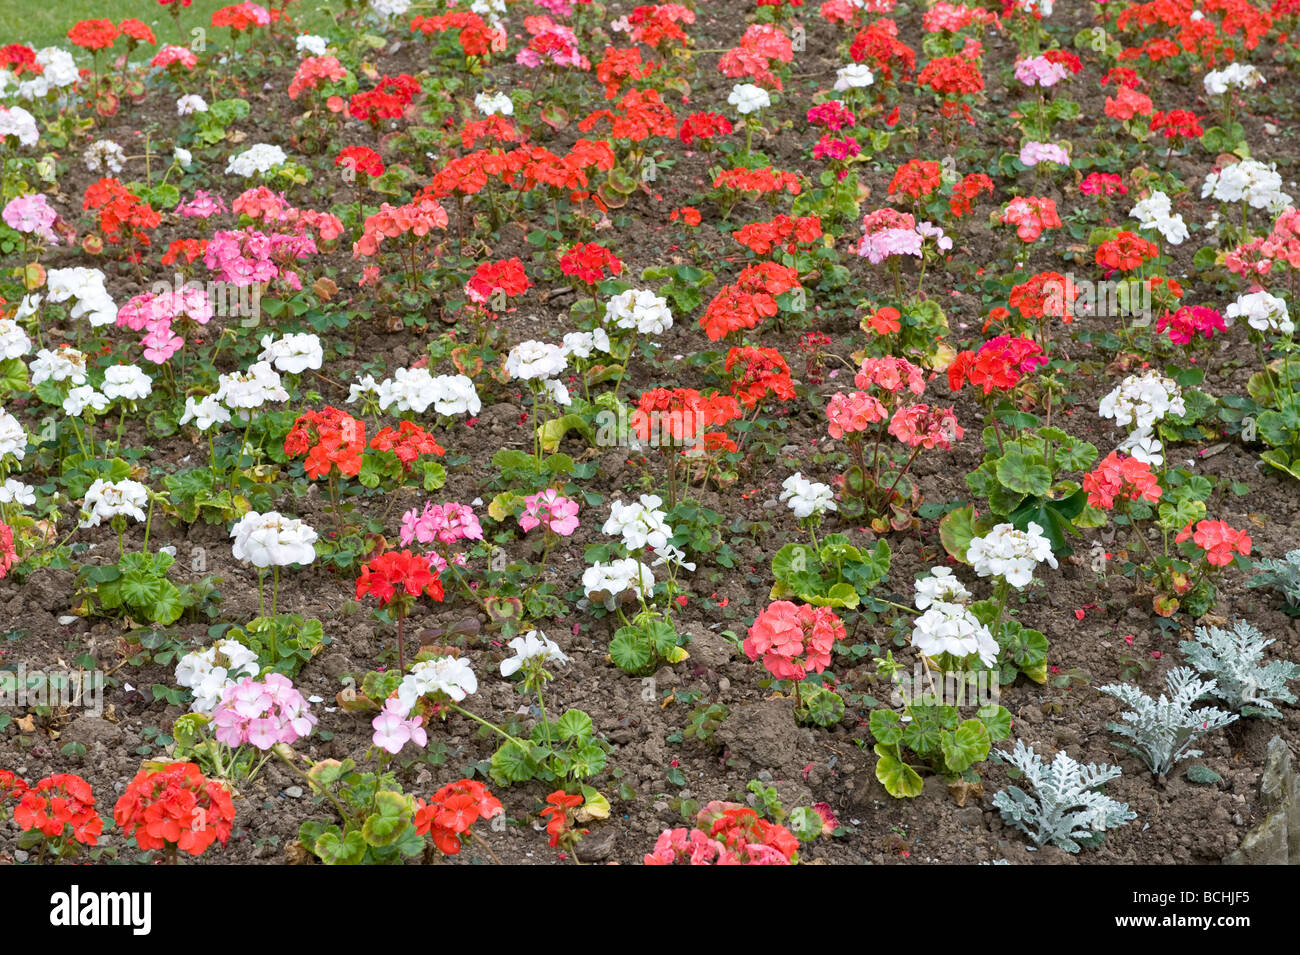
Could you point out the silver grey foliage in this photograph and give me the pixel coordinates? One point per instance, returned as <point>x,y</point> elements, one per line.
<point>1233,658</point>
<point>1162,730</point>
<point>1283,575</point>
<point>1065,809</point>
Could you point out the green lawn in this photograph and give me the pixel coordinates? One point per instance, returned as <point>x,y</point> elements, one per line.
<point>46,24</point>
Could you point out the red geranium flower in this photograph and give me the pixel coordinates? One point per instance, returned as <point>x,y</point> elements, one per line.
<point>588,263</point>
<point>175,807</point>
<point>408,441</point>
<point>361,160</point>
<point>94,35</point>
<point>60,806</point>
<point>330,439</point>
<point>452,810</point>
<point>398,573</point>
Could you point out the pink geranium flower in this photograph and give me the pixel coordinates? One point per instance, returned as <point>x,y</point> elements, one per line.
<point>550,510</point>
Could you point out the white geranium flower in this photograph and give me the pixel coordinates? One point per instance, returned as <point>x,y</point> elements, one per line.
<point>20,124</point>
<point>13,439</point>
<point>16,492</point>
<point>585,344</point>
<point>14,341</point>
<point>86,288</point>
<point>64,364</point>
<point>251,389</point>
<point>293,354</point>
<point>1145,446</point>
<point>1262,312</point>
<point>390,8</point>
<point>1139,401</point>
<point>639,309</point>
<point>806,498</point>
<point>454,395</point>
<point>190,104</point>
<point>1010,553</point>
<point>129,382</point>
<point>533,645</point>
<point>557,391</point>
<point>257,159</point>
<point>748,98</point>
<point>641,523</point>
<point>307,43</point>
<point>106,500</point>
<point>853,76</point>
<point>272,540</point>
<point>1156,212</point>
<point>451,676</point>
<point>1248,181</point>
<point>604,582</point>
<point>951,628</point>
<point>81,398</point>
<point>533,359</point>
<point>209,672</point>
<point>940,587</point>
<point>492,104</point>
<point>1239,76</point>
<point>205,412</point>
<point>104,155</point>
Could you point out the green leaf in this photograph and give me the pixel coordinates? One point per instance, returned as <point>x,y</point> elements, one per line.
<point>334,849</point>
<point>1025,474</point>
<point>899,779</point>
<point>511,763</point>
<point>630,650</point>
<point>966,746</point>
<point>433,475</point>
<point>380,830</point>
<point>1282,461</point>
<point>886,727</point>
<point>574,724</point>
<point>821,706</point>
<point>326,772</point>
<point>957,529</point>
<point>554,430</point>
<point>996,719</point>
<point>587,761</point>
<point>1197,773</point>
<point>924,734</point>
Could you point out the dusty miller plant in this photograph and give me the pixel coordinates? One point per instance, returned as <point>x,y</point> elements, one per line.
<point>1233,658</point>
<point>1283,575</point>
<point>1065,809</point>
<point>1163,729</point>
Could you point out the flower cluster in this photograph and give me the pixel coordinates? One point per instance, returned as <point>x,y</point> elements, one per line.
<point>331,439</point>
<point>59,807</point>
<point>175,807</point>
<point>794,640</point>
<point>262,713</point>
<point>947,630</point>
<point>210,672</point>
<point>451,811</point>
<point>1011,553</point>
<point>1123,477</point>
<point>273,540</point>
<point>726,834</point>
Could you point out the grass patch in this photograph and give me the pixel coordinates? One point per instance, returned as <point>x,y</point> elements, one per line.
<point>39,25</point>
